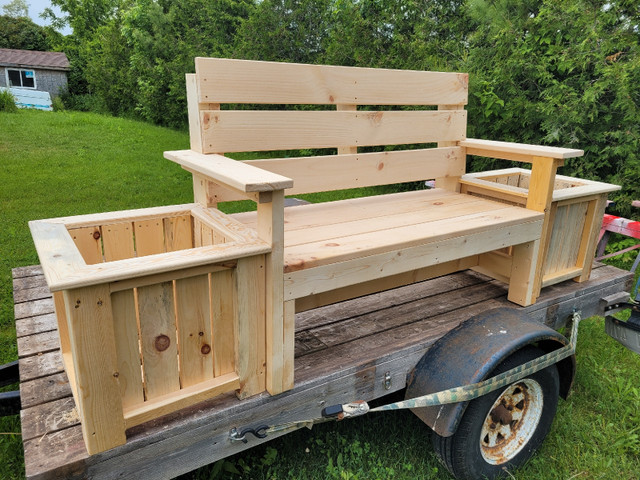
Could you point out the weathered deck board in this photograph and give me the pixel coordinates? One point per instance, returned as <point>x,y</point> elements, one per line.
<point>342,354</point>
<point>44,390</point>
<point>36,324</point>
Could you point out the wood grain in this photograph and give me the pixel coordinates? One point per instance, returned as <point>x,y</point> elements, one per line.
<point>241,81</point>
<point>260,130</point>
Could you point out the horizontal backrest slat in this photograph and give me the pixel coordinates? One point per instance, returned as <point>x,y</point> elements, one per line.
<point>243,130</point>
<point>336,172</point>
<point>244,81</point>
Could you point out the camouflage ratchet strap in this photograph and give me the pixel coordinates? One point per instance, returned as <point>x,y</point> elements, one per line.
<point>453,395</point>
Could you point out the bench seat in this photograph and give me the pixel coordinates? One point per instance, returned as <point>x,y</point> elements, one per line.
<point>332,232</point>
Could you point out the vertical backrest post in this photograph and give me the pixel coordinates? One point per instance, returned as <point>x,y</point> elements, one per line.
<point>203,189</point>
<point>345,107</point>
<point>451,183</point>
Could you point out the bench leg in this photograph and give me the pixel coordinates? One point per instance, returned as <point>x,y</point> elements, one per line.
<point>523,288</point>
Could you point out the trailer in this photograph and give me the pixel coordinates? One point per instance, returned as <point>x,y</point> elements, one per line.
<point>360,349</point>
<point>196,330</point>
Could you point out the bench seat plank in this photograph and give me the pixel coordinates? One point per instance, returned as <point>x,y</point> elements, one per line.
<point>322,234</point>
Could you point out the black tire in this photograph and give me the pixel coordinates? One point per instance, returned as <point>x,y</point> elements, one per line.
<point>469,457</point>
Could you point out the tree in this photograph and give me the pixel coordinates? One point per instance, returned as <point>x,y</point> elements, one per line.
<point>16,9</point>
<point>562,72</point>
<point>22,34</point>
<point>285,30</point>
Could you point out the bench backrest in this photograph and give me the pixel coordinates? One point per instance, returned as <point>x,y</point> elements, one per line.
<point>274,85</point>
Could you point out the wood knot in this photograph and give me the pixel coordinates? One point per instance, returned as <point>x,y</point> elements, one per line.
<point>380,165</point>
<point>162,343</point>
<point>205,349</point>
<point>96,235</point>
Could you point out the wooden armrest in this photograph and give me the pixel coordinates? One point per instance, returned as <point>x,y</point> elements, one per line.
<point>227,171</point>
<point>521,152</point>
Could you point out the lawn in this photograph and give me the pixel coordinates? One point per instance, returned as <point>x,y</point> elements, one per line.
<point>64,163</point>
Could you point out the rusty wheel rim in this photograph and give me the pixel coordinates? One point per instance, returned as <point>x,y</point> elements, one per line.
<point>511,421</point>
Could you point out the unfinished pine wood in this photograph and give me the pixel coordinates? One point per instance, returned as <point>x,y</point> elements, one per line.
<point>95,365</point>
<point>178,233</point>
<point>224,225</point>
<point>149,236</point>
<point>184,398</point>
<point>360,244</point>
<point>117,239</point>
<point>455,208</point>
<point>259,130</point>
<point>540,196</point>
<point>241,81</point>
<point>158,339</point>
<point>194,330</point>
<point>125,325</point>
<point>492,148</point>
<point>342,107</point>
<point>271,230</point>
<point>168,276</point>
<point>206,235</point>
<point>56,250</point>
<point>335,172</point>
<point>301,283</point>
<point>237,175</point>
<point>195,140</point>
<point>524,286</point>
<point>88,241</point>
<point>304,217</point>
<point>62,321</point>
<point>223,317</point>
<point>587,250</point>
<point>249,328</point>
<point>158,264</point>
<point>288,344</point>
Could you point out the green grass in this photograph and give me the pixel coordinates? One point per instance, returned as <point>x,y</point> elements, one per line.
<point>66,163</point>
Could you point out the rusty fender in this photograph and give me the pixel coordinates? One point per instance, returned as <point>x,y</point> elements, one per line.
<point>470,352</point>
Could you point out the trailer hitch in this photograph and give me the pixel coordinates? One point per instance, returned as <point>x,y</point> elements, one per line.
<point>627,333</point>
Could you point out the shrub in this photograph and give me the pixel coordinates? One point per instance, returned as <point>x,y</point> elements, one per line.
<point>7,102</point>
<point>57,104</point>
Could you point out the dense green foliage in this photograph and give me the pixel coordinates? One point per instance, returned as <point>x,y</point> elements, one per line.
<point>22,34</point>
<point>7,102</point>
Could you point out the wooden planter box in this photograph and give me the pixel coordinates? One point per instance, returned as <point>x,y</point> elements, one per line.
<point>151,305</point>
<point>571,224</point>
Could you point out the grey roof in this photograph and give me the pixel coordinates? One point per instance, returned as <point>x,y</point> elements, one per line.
<point>33,59</point>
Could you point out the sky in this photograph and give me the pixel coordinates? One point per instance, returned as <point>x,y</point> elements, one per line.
<point>36,7</point>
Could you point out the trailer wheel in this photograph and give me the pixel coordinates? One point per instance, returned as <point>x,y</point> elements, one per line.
<point>501,430</point>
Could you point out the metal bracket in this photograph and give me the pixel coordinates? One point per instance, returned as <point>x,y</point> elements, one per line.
<point>387,380</point>
<point>236,435</point>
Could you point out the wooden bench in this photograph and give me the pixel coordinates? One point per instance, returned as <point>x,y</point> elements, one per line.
<point>184,303</point>
<point>323,253</point>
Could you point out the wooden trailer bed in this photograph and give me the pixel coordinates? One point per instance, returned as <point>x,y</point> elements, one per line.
<point>342,352</point>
